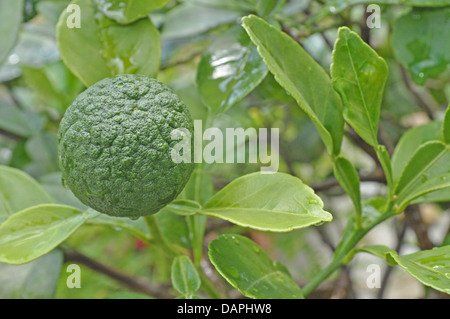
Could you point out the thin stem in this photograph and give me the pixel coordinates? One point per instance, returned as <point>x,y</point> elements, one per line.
<point>158,237</point>
<point>343,249</point>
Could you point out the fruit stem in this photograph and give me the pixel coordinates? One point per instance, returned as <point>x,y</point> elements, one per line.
<point>158,236</point>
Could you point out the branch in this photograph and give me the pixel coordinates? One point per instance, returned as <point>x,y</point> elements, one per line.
<point>135,284</point>
<point>332,182</point>
<point>423,101</point>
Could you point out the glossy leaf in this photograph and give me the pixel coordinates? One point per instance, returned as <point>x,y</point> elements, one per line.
<point>35,231</point>
<point>417,40</point>
<point>102,48</point>
<point>410,141</point>
<point>11,12</point>
<point>348,177</point>
<point>430,267</point>
<point>297,72</point>
<point>19,191</point>
<point>35,280</point>
<point>250,270</point>
<point>269,202</point>
<point>359,76</point>
<point>428,162</point>
<point>185,278</point>
<point>229,70</point>
<point>125,12</point>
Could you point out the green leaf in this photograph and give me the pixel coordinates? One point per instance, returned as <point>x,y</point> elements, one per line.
<point>348,177</point>
<point>175,228</point>
<point>183,207</point>
<point>125,12</point>
<point>250,270</point>
<point>446,127</point>
<point>188,20</point>
<point>16,121</point>
<point>137,228</point>
<point>417,41</point>
<point>19,191</point>
<point>297,72</point>
<point>35,280</point>
<point>386,164</point>
<point>410,141</point>
<point>200,187</point>
<point>430,267</point>
<point>42,149</point>
<point>11,12</point>
<point>359,76</point>
<point>430,161</point>
<point>433,185</point>
<point>185,278</point>
<point>270,202</point>
<point>35,231</point>
<point>101,47</point>
<point>229,70</point>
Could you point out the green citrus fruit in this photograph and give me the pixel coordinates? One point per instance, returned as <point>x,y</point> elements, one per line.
<point>114,145</point>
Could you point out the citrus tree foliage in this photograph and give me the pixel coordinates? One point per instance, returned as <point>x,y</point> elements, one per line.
<point>364,122</point>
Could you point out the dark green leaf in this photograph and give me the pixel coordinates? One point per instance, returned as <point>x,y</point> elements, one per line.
<point>418,42</point>
<point>229,70</point>
<point>446,127</point>
<point>250,270</point>
<point>34,280</point>
<point>269,202</point>
<point>302,77</point>
<point>185,278</point>
<point>359,76</point>
<point>348,177</point>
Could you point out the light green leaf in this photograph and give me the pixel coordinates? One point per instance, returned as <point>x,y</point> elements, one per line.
<point>11,12</point>
<point>270,202</point>
<point>184,276</point>
<point>359,76</point>
<point>436,184</point>
<point>417,41</point>
<point>410,142</point>
<point>250,270</point>
<point>430,267</point>
<point>188,20</point>
<point>136,227</point>
<point>35,231</point>
<point>297,72</point>
<point>101,48</point>
<point>386,164</point>
<point>348,177</point>
<point>229,70</point>
<point>183,207</point>
<point>430,161</point>
<point>125,12</point>
<point>200,187</point>
<point>35,280</point>
<point>19,191</point>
